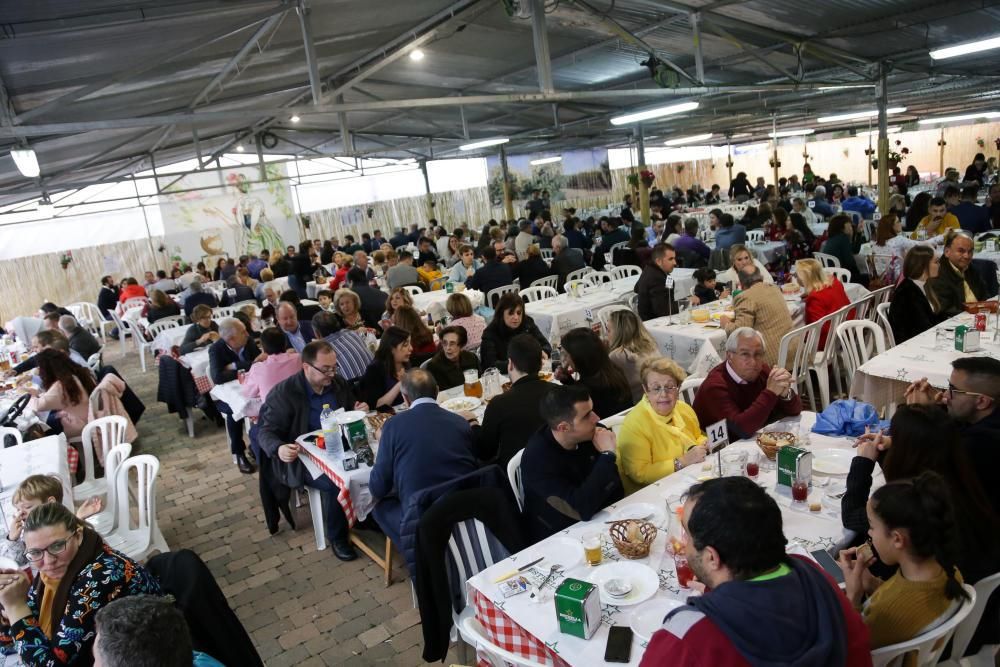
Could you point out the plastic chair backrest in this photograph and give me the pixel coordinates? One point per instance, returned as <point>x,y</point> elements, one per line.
<point>472,628</point>
<point>537,293</point>
<point>861,340</point>
<point>624,271</point>
<point>755,236</point>
<point>929,645</point>
<point>864,308</point>
<point>883,316</point>
<point>147,467</point>
<point>799,347</point>
<point>604,314</point>
<point>597,278</point>
<point>94,361</point>
<point>112,461</point>
<point>414,289</point>
<point>514,475</point>
<point>689,388</point>
<point>471,549</point>
<point>166,323</point>
<point>135,302</point>
<point>547,281</point>
<point>826,260</point>
<point>221,312</point>
<point>493,296</point>
<point>547,253</point>
<point>578,274</point>
<point>104,432</point>
<point>11,431</point>
<point>843,275</point>
<point>963,634</point>
<point>633,302</point>
<point>884,295</point>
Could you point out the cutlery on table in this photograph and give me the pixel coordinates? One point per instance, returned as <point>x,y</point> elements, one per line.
<point>519,570</point>
<point>552,570</point>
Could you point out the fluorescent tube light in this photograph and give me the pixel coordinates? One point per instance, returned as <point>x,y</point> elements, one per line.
<point>964,49</point>
<point>860,115</point>
<point>688,140</point>
<point>892,130</point>
<point>789,133</point>
<point>547,160</point>
<point>952,119</point>
<point>654,113</point>
<point>26,161</point>
<point>483,144</point>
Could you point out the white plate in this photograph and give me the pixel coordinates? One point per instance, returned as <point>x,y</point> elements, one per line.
<point>350,417</point>
<point>460,403</point>
<point>559,550</point>
<point>648,618</point>
<point>646,511</point>
<point>832,461</point>
<point>644,582</point>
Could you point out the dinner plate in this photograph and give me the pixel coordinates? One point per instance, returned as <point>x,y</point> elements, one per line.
<point>643,579</point>
<point>559,550</point>
<point>350,416</point>
<point>832,461</point>
<point>460,403</point>
<point>648,617</point>
<point>645,511</point>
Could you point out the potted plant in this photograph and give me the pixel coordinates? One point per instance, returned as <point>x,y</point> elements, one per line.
<point>65,259</point>
<point>647,177</point>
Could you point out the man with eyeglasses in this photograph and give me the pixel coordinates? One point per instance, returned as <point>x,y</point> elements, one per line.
<point>955,284</point>
<point>292,409</point>
<point>744,390</point>
<point>235,351</point>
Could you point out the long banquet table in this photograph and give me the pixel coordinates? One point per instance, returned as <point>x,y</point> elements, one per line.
<point>529,628</point>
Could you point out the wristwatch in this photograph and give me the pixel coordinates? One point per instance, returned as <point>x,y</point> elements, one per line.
<point>677,465</point>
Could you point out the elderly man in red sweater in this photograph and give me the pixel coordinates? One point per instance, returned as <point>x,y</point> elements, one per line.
<point>744,390</point>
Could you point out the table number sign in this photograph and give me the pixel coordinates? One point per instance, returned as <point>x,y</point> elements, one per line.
<point>991,245</point>
<point>718,435</point>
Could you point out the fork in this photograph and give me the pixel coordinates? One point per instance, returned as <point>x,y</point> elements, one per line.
<point>552,570</point>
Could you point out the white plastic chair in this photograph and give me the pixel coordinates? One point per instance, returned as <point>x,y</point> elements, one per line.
<point>154,330</point>
<point>221,312</point>
<point>537,293</point>
<point>578,274</point>
<point>514,476</point>
<point>967,628</point>
<point>597,278</point>
<point>826,260</point>
<point>11,431</point>
<point>883,317</point>
<point>624,271</point>
<point>493,296</point>
<point>107,432</point>
<point>868,229</point>
<point>930,645</point>
<point>473,634</point>
<point>89,316</point>
<point>104,522</point>
<point>140,541</point>
<point>827,357</point>
<point>755,236</point>
<point>884,294</point>
<point>864,308</point>
<point>604,314</point>
<point>798,346</point>
<point>414,289</point>
<point>860,340</point>
<point>124,327</point>
<point>547,281</point>
<point>843,275</point>
<point>547,253</point>
<point>633,302</point>
<point>94,361</point>
<point>135,302</point>
<point>689,388</point>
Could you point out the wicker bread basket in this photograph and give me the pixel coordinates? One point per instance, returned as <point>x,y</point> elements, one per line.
<point>632,537</point>
<point>771,441</point>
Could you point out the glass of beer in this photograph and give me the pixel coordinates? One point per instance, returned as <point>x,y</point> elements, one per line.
<point>592,548</point>
<point>472,385</point>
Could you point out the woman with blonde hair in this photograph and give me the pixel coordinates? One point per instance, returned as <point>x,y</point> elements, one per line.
<point>740,256</point>
<point>661,435</point>
<point>397,298</point>
<point>347,304</point>
<point>280,265</point>
<point>630,345</point>
<point>825,294</point>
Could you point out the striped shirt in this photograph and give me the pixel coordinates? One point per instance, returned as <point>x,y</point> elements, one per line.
<point>353,355</point>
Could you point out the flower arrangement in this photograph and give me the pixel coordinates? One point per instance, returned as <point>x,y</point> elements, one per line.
<point>680,168</point>
<point>305,220</point>
<point>980,142</point>
<point>65,259</point>
<point>647,177</point>
<point>774,163</point>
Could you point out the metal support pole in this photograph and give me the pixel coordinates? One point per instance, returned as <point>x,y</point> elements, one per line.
<point>774,149</point>
<point>427,189</point>
<point>729,159</point>
<point>883,138</point>
<point>346,140</point>
<point>149,235</point>
<point>315,84</point>
<point>465,125</point>
<point>543,60</point>
<point>699,62</point>
<point>260,157</point>
<point>640,143</point>
<point>197,144</point>
<point>508,203</point>
<point>941,154</point>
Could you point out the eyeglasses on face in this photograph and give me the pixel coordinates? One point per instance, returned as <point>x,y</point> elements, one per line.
<point>325,370</point>
<point>54,549</point>
<point>952,390</point>
<point>665,389</point>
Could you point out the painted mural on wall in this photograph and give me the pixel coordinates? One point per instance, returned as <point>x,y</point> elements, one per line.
<point>579,174</point>
<point>204,219</point>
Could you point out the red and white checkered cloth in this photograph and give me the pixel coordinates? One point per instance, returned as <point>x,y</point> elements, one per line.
<point>203,384</point>
<point>73,458</point>
<point>344,496</point>
<point>510,636</point>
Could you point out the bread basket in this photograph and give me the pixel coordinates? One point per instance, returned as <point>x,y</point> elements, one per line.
<point>633,537</point>
<point>771,441</point>
<point>975,306</point>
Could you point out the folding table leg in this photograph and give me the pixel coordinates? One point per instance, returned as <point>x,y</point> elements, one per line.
<point>316,509</point>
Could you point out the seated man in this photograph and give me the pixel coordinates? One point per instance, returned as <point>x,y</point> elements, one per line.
<point>80,339</point>
<point>235,292</point>
<point>353,355</point>
<point>735,546</point>
<point>565,259</point>
<point>233,352</point>
<point>655,287</point>
<point>299,334</point>
<point>513,417</point>
<point>197,296</point>
<point>292,409</point>
<point>422,447</point>
<point>858,203</point>
<point>568,467</point>
<point>744,390</point>
<point>761,307</point>
<point>403,273</point>
<point>492,274</point>
<point>956,283</point>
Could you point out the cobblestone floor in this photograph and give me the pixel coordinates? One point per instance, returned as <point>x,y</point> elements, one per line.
<point>302,607</point>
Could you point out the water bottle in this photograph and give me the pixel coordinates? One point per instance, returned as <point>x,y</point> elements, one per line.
<point>331,432</point>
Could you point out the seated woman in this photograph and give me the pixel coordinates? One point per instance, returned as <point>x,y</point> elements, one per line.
<point>890,240</point>
<point>160,305</point>
<point>661,434</point>
<point>824,294</point>
<point>452,360</point>
<point>913,309</point>
<point>631,345</point>
<point>421,336</point>
<point>779,226</point>
<point>739,256</point>
<point>397,298</point>
<point>66,391</point>
<point>912,527</point>
<point>51,619</point>
<point>584,355</point>
<point>508,321</point>
<point>462,315</point>
<point>347,304</point>
<point>380,384</point>
<point>466,267</point>
<point>203,332</point>
<point>838,243</point>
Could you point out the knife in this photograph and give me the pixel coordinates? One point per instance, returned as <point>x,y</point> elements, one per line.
<point>519,570</point>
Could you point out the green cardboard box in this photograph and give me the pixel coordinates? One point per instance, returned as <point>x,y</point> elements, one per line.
<point>578,608</point>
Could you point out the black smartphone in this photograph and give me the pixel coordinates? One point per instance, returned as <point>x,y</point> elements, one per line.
<point>311,438</point>
<point>619,648</point>
<point>828,563</point>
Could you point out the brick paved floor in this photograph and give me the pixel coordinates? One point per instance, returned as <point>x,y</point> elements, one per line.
<point>302,607</point>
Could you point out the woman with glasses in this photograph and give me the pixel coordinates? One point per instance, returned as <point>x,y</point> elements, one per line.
<point>51,618</point>
<point>661,434</point>
<point>380,385</point>
<point>452,360</point>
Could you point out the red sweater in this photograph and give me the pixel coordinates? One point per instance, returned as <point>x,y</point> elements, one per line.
<point>822,302</point>
<point>745,407</point>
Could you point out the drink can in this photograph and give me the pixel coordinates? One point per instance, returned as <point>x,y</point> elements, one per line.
<point>981,321</point>
<point>578,608</point>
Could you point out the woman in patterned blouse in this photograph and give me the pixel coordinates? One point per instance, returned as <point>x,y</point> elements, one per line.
<point>52,618</point>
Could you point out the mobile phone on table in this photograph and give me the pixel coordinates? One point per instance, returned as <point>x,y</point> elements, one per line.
<point>619,648</point>
<point>311,438</point>
<point>828,563</point>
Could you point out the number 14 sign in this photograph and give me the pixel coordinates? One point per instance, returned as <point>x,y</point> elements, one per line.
<point>718,436</point>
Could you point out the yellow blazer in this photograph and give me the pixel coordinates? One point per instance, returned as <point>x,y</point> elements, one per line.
<point>649,443</point>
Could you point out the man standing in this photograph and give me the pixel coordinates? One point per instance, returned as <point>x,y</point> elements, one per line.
<point>568,467</point>
<point>972,217</point>
<point>655,286</point>
<point>744,390</point>
<point>422,447</point>
<point>233,352</point>
<point>735,545</point>
<point>299,334</point>
<point>857,203</point>
<point>293,408</point>
<point>80,339</point>
<point>955,284</point>
<point>565,259</point>
<point>761,307</point>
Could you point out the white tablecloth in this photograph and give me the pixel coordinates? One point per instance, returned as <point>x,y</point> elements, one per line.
<point>167,338</point>
<point>809,530</point>
<point>231,394</point>
<point>45,456</point>
<point>557,315</point>
<point>433,302</point>
<point>197,361</point>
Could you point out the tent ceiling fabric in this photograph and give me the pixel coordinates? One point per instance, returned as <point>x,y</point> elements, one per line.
<point>145,58</point>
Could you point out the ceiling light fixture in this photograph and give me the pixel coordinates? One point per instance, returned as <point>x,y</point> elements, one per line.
<point>416,55</point>
<point>483,144</point>
<point>860,115</point>
<point>45,206</point>
<point>952,119</point>
<point>789,133</point>
<point>239,148</point>
<point>964,49</point>
<point>547,160</point>
<point>26,161</point>
<point>654,113</point>
<point>688,140</point>
<point>295,119</point>
<point>874,133</point>
<point>752,147</point>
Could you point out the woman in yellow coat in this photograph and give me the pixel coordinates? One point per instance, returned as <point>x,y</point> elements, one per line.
<point>661,434</point>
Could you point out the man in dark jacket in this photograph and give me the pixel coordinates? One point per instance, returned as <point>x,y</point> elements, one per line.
<point>373,300</point>
<point>80,339</point>
<point>955,284</point>
<point>232,353</point>
<point>568,467</point>
<point>399,239</point>
<point>492,274</point>
<point>513,417</point>
<point>236,292</point>
<point>107,298</point>
<point>655,286</point>
<point>299,334</point>
<point>292,409</point>
<point>616,233</point>
<point>198,296</point>
<point>565,260</point>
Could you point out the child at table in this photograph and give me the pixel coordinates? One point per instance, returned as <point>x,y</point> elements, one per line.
<point>704,288</point>
<point>912,527</point>
<point>325,299</point>
<point>30,493</point>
